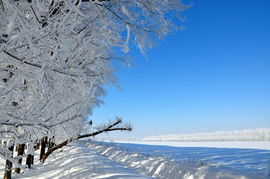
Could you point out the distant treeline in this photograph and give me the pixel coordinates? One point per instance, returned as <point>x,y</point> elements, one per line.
<point>257,134</point>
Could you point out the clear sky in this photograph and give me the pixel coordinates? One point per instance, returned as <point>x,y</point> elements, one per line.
<point>214,75</point>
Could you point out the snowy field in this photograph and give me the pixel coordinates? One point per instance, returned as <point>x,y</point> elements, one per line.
<point>238,145</point>
<point>104,160</point>
<point>249,157</point>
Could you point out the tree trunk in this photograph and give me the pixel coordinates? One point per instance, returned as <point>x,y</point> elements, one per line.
<point>51,143</point>
<point>38,145</point>
<point>29,160</point>
<point>21,148</point>
<point>32,159</point>
<point>8,168</point>
<point>43,145</point>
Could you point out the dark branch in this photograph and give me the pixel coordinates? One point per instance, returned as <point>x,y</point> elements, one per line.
<point>106,129</point>
<point>35,14</point>
<point>54,70</point>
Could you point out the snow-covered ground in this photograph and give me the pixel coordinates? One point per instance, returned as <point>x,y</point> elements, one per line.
<point>238,145</point>
<point>252,157</point>
<point>78,162</point>
<point>155,161</point>
<point>95,160</point>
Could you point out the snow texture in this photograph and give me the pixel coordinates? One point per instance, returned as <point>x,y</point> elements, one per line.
<point>249,157</point>
<point>87,159</point>
<point>76,161</point>
<point>164,168</point>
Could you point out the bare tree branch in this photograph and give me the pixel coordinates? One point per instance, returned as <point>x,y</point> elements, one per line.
<point>108,128</point>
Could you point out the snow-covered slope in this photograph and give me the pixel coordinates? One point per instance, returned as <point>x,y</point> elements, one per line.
<point>92,160</point>
<point>164,168</point>
<point>78,162</point>
<point>249,157</point>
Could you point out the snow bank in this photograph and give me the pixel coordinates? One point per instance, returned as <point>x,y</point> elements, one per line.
<point>77,162</point>
<point>236,155</point>
<point>164,168</point>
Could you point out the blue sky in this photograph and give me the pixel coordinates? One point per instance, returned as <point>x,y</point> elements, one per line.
<point>214,75</point>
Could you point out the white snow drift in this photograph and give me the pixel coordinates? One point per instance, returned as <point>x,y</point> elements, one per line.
<point>163,168</point>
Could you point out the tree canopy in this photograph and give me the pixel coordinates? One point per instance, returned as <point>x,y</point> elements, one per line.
<point>55,56</point>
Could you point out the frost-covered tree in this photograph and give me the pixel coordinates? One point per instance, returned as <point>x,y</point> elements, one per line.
<point>257,134</point>
<point>49,75</point>
<point>55,56</point>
